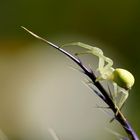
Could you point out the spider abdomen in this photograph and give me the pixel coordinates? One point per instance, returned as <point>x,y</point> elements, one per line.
<point>123,78</point>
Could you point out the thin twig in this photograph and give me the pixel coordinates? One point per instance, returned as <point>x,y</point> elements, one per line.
<point>119,116</point>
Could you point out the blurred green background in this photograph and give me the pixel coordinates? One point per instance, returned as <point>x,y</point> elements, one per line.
<point>29,70</point>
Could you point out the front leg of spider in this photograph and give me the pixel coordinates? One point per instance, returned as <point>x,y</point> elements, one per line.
<point>103,68</point>
<point>82,45</point>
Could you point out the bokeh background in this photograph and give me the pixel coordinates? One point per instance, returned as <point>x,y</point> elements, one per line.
<point>38,90</point>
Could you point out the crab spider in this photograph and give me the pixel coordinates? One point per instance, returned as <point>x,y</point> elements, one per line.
<point>121,79</point>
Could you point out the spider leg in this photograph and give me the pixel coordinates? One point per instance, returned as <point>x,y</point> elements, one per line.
<point>109,63</point>
<point>104,69</point>
<point>80,44</point>
<point>110,93</point>
<point>101,64</point>
<point>124,96</point>
<point>81,53</point>
<point>115,86</point>
<point>115,94</point>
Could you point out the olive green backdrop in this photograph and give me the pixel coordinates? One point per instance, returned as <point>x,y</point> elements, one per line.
<point>114,25</point>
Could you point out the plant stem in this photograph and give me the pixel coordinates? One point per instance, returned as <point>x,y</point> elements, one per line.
<point>119,116</point>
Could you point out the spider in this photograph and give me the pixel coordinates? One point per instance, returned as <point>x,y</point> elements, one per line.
<point>121,79</point>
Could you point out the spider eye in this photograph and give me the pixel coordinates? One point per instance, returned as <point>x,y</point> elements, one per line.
<point>123,78</point>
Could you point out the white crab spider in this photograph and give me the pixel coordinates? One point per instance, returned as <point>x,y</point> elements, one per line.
<point>122,79</point>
